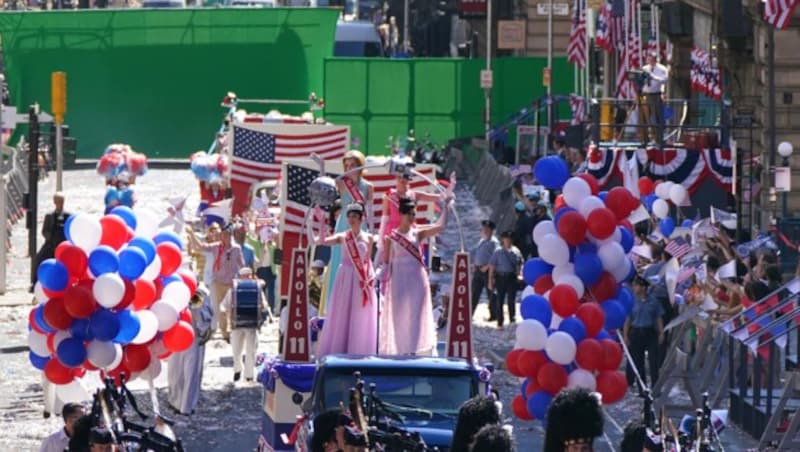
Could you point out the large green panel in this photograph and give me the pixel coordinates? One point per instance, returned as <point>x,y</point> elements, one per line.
<point>345,98</point>
<point>154,78</point>
<point>380,128</point>
<point>358,128</point>
<point>435,87</point>
<point>440,129</point>
<point>389,86</point>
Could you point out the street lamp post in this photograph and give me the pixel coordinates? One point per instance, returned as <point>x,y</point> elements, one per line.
<point>785,150</point>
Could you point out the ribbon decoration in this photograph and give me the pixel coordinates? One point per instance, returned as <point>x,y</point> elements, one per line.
<point>408,247</point>
<point>361,266</point>
<point>355,193</point>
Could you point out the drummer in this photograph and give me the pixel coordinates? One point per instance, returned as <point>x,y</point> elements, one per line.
<point>244,339</point>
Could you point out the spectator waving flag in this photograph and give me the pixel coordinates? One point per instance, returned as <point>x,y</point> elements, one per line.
<point>678,247</point>
<point>576,47</point>
<point>779,12</point>
<point>602,37</point>
<point>259,149</point>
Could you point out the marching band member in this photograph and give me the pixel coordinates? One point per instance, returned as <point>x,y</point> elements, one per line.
<point>407,326</point>
<point>243,337</point>
<point>352,322</point>
<point>353,189</point>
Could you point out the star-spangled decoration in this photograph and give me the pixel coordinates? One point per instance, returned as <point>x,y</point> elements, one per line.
<point>252,145</point>
<point>298,180</point>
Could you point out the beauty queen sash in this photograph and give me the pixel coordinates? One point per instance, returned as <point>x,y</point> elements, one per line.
<point>361,265</point>
<point>408,246</point>
<point>351,187</point>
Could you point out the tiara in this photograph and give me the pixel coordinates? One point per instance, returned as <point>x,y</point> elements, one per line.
<point>355,207</point>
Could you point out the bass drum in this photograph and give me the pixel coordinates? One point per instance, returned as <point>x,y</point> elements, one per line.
<point>246,308</point>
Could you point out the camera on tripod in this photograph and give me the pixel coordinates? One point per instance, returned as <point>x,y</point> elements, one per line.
<point>639,78</point>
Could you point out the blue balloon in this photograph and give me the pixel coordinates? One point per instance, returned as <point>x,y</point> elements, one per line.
<point>67,225</point>
<point>146,245</point>
<point>626,239</point>
<point>588,267</point>
<point>126,197</point>
<point>132,262</point>
<point>560,214</point>
<point>615,314</point>
<point>129,326</point>
<point>603,334</point>
<point>53,275</point>
<point>574,327</point>
<point>38,317</point>
<point>168,236</point>
<point>687,223</point>
<point>112,196</point>
<point>666,226</point>
<point>167,280</point>
<point>38,361</point>
<point>539,403</point>
<point>631,274</point>
<point>536,307</point>
<point>648,201</point>
<point>80,329</point>
<point>534,268</point>
<point>587,247</point>
<point>104,325</point>
<point>71,352</point>
<point>602,195</point>
<point>552,172</point>
<point>126,213</point>
<point>625,296</point>
<point>103,259</point>
<point>524,388</point>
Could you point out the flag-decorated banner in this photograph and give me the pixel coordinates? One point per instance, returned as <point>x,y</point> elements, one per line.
<point>576,47</point>
<point>578,106</point>
<point>705,75</point>
<point>602,37</point>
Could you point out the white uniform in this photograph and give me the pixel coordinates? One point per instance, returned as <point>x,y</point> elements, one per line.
<point>57,442</point>
<point>243,339</point>
<point>185,369</point>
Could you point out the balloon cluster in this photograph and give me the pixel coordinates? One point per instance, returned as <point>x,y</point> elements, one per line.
<point>208,167</point>
<point>120,158</point>
<point>656,197</point>
<point>113,299</point>
<point>575,295</point>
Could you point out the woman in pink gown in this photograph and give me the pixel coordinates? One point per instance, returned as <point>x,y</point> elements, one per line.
<point>407,326</point>
<point>351,325</point>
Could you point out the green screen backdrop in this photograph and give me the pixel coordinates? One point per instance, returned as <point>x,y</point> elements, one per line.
<point>154,78</point>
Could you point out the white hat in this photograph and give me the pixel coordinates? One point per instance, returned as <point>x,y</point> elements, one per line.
<point>245,271</point>
<point>318,264</point>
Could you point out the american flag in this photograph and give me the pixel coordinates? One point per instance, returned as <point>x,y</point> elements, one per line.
<point>678,247</point>
<point>602,37</point>
<point>779,12</point>
<point>705,76</point>
<point>664,49</point>
<point>576,47</point>
<point>618,24</point>
<point>578,106</point>
<point>259,149</point>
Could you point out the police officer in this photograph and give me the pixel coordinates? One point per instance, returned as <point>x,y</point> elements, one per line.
<point>53,232</point>
<point>504,271</point>
<point>480,256</point>
<point>644,331</point>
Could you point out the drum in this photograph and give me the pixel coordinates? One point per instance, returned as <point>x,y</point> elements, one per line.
<point>246,308</point>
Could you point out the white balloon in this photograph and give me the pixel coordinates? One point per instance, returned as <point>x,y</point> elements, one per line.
<point>531,335</point>
<point>582,378</point>
<point>59,337</point>
<point>146,222</point>
<point>678,194</point>
<point>541,229</point>
<point>660,209</point>
<point>38,293</point>
<point>662,190</point>
<point>555,321</point>
<point>611,255</point>
<point>575,191</point>
<point>574,281</point>
<point>85,231</point>
<point>166,313</point>
<point>117,358</point>
<point>157,348</point>
<point>590,204</point>
<point>72,392</point>
<point>283,321</point>
<point>37,343</point>
<point>153,270</point>
<point>554,250</point>
<point>177,293</point>
<point>562,270</point>
<point>148,326</point>
<point>528,290</point>
<point>101,353</point>
<point>153,369</point>
<point>108,289</point>
<point>561,348</point>
<point>622,271</point>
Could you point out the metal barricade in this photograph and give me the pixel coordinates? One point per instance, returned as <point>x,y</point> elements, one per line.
<point>13,186</point>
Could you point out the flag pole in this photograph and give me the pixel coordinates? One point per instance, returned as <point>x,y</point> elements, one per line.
<point>639,29</point>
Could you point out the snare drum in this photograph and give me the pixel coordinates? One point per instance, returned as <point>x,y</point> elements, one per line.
<point>245,304</point>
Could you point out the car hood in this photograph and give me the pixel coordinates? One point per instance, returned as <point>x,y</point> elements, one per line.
<point>436,434</point>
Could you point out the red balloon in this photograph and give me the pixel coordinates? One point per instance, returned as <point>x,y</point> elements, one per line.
<point>612,385</point>
<point>74,259</point>
<point>115,231</point>
<point>646,186</point>
<point>592,181</point>
<point>520,408</point>
<point>512,362</point>
<point>617,200</point>
<point>57,373</point>
<point>530,361</point>
<point>51,337</point>
<point>601,223</point>
<point>543,284</point>
<point>589,354</point>
<point>56,315</point>
<point>127,297</point>
<point>532,387</point>
<point>56,294</point>
<point>559,202</point>
<point>564,300</point>
<point>572,228</point>
<point>179,337</point>
<point>186,316</point>
<point>633,202</point>
<point>552,378</point>
<point>79,301</point>
<point>130,234</point>
<point>592,316</point>
<point>605,287</point>
<point>626,224</point>
<point>170,256</point>
<point>116,374</point>
<point>79,372</point>
<point>144,294</point>
<point>611,356</point>
<point>32,321</point>
<point>189,279</point>
<point>60,249</point>
<point>136,357</point>
<point>89,366</point>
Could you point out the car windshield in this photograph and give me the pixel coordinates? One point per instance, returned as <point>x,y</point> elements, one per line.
<point>356,49</point>
<point>440,394</point>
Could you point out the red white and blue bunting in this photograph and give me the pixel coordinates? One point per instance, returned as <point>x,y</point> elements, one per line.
<point>687,167</point>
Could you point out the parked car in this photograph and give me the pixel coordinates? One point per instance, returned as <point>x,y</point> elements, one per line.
<point>357,39</point>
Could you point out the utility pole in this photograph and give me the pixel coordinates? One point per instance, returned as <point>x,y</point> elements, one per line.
<point>488,89</point>
<point>33,183</point>
<point>406,41</point>
<point>58,96</point>
<point>550,67</point>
